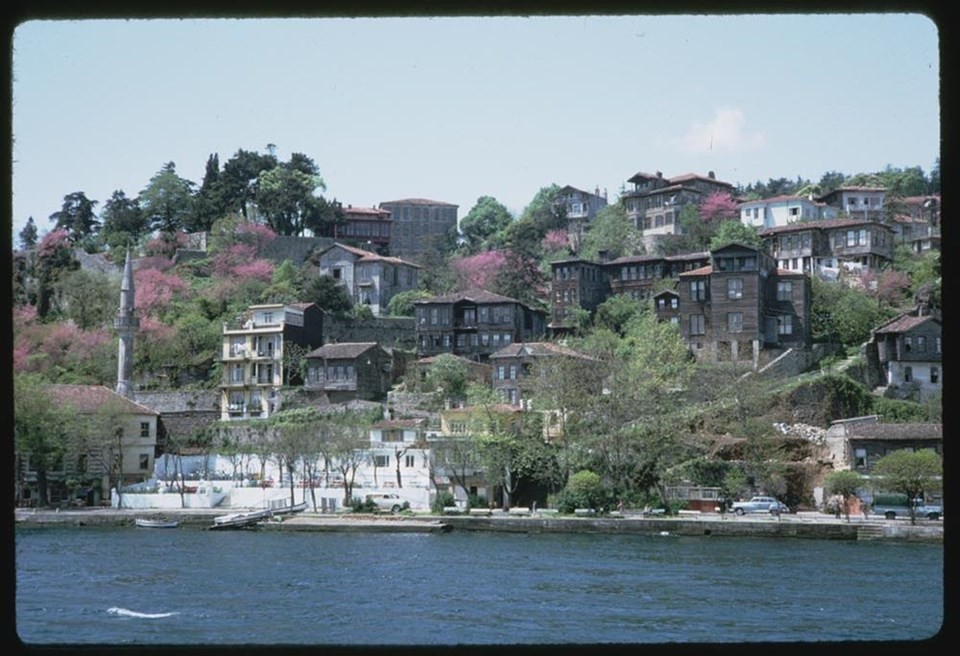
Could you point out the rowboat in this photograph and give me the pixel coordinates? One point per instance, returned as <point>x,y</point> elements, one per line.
<point>254,517</point>
<point>143,522</point>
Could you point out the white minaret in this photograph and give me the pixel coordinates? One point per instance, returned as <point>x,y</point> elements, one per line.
<point>126,324</point>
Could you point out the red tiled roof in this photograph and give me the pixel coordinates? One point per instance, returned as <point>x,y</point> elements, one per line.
<point>87,399</point>
<point>370,256</point>
<point>903,323</point>
<point>702,271</point>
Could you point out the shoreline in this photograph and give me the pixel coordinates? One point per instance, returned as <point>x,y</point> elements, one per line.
<point>799,525</point>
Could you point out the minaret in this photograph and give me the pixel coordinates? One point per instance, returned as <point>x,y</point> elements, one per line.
<point>126,324</point>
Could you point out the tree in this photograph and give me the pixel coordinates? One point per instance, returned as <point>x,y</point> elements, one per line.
<point>735,231</point>
<point>402,304</point>
<point>28,236</point>
<point>611,232</point>
<point>913,473</point>
<point>830,181</point>
<point>448,373</point>
<point>54,260</point>
<point>844,484</point>
<point>349,447</point>
<point>478,271</point>
<point>90,298</point>
<point>167,200</point>
<point>521,278</point>
<point>40,432</point>
<point>77,217</point>
<point>208,205</point>
<point>841,314</point>
<point>237,183</point>
<point>287,197</point>
<point>329,295</point>
<point>718,207</point>
<point>616,312</point>
<point>485,219</point>
<point>101,438</point>
<point>124,223</point>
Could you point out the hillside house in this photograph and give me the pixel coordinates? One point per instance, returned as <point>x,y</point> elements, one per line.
<point>830,247</point>
<point>348,371</point>
<point>780,211</point>
<point>857,202</point>
<point>253,356</point>
<point>365,227</point>
<point>857,443</point>
<point>419,225</point>
<point>741,304</point>
<point>368,278</point>
<point>474,324</point>
<point>909,351</point>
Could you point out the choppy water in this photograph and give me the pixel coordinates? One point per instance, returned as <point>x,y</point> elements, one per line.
<point>126,586</point>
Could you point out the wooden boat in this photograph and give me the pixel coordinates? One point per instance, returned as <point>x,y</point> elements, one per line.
<point>143,522</point>
<point>254,517</point>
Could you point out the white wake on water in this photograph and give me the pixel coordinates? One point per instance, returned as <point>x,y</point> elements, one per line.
<point>132,613</point>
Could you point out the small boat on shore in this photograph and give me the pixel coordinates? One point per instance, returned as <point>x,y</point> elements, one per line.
<point>144,522</point>
<point>254,517</point>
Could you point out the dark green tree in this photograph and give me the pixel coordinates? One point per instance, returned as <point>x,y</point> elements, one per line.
<point>913,473</point>
<point>77,217</point>
<point>28,236</point>
<point>485,219</point>
<point>611,231</point>
<point>328,294</point>
<point>124,224</point>
<point>167,200</point>
<point>734,231</point>
<point>237,183</point>
<point>208,205</point>
<point>39,429</point>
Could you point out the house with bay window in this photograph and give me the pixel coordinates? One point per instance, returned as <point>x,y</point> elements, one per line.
<point>348,371</point>
<point>909,350</point>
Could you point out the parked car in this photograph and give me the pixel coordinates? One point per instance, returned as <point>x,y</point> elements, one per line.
<point>388,502</point>
<point>892,506</point>
<point>760,505</point>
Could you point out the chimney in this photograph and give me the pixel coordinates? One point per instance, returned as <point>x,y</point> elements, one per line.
<point>659,174</point>
<point>711,175</point>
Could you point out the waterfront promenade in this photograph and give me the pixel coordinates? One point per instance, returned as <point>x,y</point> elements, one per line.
<point>811,525</point>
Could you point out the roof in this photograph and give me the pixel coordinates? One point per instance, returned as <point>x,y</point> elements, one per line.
<point>902,432</point>
<point>87,399</point>
<point>369,256</point>
<point>698,255</point>
<point>417,201</point>
<point>536,349</point>
<point>342,351</point>
<point>475,295</point>
<point>366,212</point>
<point>777,199</point>
<point>904,323</point>
<point>694,176</point>
<point>665,292</point>
<point>820,224</point>
<point>702,271</point>
<point>433,358</point>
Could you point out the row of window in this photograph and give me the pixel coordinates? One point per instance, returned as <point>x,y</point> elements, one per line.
<point>918,344</point>
<point>735,323</point>
<point>466,339</point>
<point>934,375</point>
<point>332,373</point>
<point>364,229</point>
<point>384,461</point>
<point>441,316</point>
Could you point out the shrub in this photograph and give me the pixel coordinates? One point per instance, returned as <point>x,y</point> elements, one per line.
<point>443,500</point>
<point>476,501</point>
<point>362,505</point>
<point>585,489</point>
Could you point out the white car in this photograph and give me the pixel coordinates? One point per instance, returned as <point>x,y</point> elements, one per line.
<point>388,502</point>
<point>760,505</point>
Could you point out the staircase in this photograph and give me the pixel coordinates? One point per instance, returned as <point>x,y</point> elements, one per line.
<point>870,532</point>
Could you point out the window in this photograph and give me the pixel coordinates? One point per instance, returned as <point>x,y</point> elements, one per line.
<point>381,461</point>
<point>785,291</point>
<point>236,373</point>
<point>794,212</point>
<point>735,322</point>
<point>696,324</point>
<point>907,374</point>
<point>698,290</point>
<point>735,288</point>
<point>937,342</point>
<point>144,461</point>
<point>144,429</point>
<point>268,317</point>
<point>785,324</point>
<point>908,344</point>
<point>921,344</point>
<point>409,461</point>
<point>934,375</point>
<point>860,458</point>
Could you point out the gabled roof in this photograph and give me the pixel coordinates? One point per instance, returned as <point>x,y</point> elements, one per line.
<point>537,349</point>
<point>369,256</point>
<point>702,271</point>
<point>342,351</point>
<point>686,177</point>
<point>87,399</point>
<point>904,323</point>
<point>820,224</point>
<point>904,432</point>
<point>666,292</point>
<point>475,295</point>
<point>735,244</point>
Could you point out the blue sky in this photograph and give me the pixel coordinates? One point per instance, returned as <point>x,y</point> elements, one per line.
<point>457,108</point>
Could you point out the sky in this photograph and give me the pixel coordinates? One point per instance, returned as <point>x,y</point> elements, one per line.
<point>455,108</point>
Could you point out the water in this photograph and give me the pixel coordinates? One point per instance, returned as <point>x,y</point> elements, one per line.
<point>125,586</point>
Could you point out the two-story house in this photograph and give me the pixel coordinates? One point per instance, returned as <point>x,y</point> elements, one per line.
<point>740,304</point>
<point>369,278</point>
<point>857,443</point>
<point>641,276</point>
<point>858,202</point>
<point>830,247</point>
<point>575,283</point>
<point>580,206</point>
<point>909,351</point>
<point>252,356</point>
<point>348,371</point>
<point>419,224</point>
<point>780,211</point>
<point>654,204</point>
<point>474,324</point>
<point>110,431</point>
